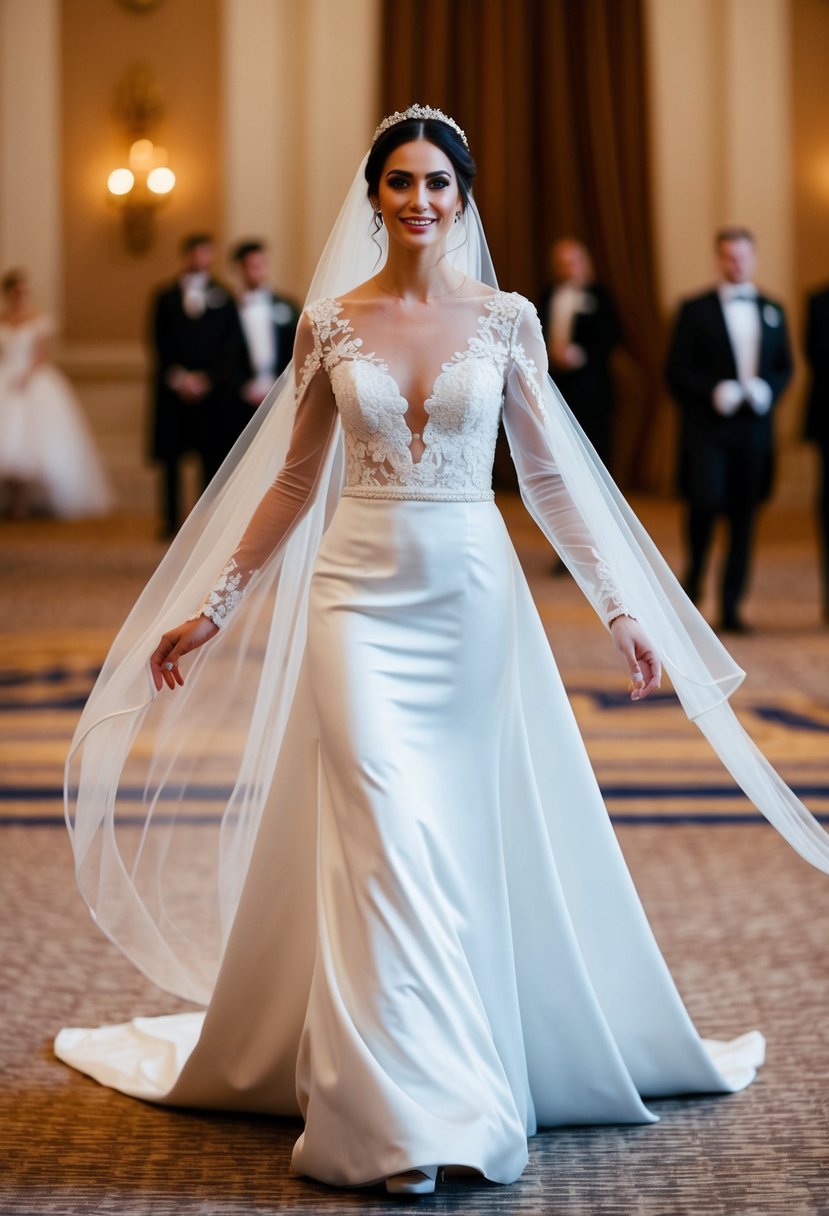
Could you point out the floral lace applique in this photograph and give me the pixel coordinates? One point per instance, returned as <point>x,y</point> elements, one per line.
<point>223,596</point>
<point>463,411</point>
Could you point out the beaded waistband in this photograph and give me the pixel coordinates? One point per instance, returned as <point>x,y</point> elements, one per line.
<point>418,494</point>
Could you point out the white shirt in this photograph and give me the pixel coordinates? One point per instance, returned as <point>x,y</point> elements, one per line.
<point>194,293</point>
<point>256,314</point>
<point>742,320</point>
<point>564,304</point>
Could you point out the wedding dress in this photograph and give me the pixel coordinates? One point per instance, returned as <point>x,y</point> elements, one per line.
<point>451,953</point>
<point>45,441</point>
<point>365,837</point>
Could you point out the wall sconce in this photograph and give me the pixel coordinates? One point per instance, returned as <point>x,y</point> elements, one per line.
<point>138,191</point>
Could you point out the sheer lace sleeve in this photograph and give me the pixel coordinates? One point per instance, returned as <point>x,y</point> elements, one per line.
<point>285,502</point>
<point>529,396</point>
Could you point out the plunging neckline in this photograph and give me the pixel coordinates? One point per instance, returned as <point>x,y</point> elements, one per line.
<point>374,360</point>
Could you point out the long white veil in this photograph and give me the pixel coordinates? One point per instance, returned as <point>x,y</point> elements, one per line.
<point>164,793</point>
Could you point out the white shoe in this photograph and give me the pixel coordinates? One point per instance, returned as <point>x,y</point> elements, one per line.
<point>413,1182</point>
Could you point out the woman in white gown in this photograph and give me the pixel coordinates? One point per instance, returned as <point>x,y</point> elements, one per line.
<point>417,929</point>
<point>48,460</point>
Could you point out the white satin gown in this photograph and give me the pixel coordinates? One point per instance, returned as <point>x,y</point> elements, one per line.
<point>45,441</point>
<point>456,955</point>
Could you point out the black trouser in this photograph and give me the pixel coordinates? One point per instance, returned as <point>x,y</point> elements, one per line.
<point>171,510</point>
<point>727,472</point>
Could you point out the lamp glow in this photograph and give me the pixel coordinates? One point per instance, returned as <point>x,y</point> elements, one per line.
<point>161,180</point>
<point>141,154</point>
<point>120,181</point>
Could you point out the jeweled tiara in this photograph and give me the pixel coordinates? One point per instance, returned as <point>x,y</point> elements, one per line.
<point>421,112</point>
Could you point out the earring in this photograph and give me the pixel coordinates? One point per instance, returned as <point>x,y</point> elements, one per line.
<point>457,216</point>
<point>378,215</point>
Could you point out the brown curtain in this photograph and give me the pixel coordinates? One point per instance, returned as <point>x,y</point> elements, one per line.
<point>552,95</point>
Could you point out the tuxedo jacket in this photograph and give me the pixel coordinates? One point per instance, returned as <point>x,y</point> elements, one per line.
<point>817,352</point>
<point>596,331</point>
<point>285,318</point>
<point>212,343</point>
<point>700,356</point>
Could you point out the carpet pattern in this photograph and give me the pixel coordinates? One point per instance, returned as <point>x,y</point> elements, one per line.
<point>744,923</point>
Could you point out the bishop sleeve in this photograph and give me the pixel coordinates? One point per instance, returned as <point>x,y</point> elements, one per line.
<point>529,396</point>
<point>287,499</point>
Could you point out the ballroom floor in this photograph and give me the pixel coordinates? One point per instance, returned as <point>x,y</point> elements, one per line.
<point>744,923</point>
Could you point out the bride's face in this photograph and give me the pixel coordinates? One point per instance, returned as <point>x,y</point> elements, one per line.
<point>418,195</point>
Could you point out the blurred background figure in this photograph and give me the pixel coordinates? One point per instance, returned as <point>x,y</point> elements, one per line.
<point>729,361</point>
<point>268,323</point>
<point>817,416</point>
<point>48,461</point>
<point>581,330</point>
<point>201,363</point>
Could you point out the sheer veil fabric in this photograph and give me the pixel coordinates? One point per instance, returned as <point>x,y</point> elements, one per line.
<point>166,796</point>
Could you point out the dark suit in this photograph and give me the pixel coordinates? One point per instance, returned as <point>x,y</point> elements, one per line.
<point>588,390</point>
<point>817,413</point>
<point>725,463</point>
<point>284,320</point>
<point>211,343</point>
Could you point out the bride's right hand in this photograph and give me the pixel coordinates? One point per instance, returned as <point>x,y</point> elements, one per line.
<point>175,643</point>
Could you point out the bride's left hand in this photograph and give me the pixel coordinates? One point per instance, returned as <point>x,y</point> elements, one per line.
<point>636,649</point>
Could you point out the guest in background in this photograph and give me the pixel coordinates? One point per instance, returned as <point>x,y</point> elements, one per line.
<point>269,324</point>
<point>48,461</point>
<point>581,329</point>
<point>817,415</point>
<point>201,362</point>
<point>729,362</point>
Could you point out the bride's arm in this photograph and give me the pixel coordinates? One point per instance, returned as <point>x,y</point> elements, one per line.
<point>528,398</point>
<point>279,511</point>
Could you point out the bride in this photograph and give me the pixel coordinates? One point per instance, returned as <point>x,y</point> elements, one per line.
<point>373,849</point>
<point>48,460</point>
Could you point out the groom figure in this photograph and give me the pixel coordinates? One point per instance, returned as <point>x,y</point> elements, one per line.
<point>729,362</point>
<point>581,329</point>
<point>269,326</point>
<point>201,361</point>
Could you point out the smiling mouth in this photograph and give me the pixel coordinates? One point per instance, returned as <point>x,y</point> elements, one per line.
<point>410,222</point>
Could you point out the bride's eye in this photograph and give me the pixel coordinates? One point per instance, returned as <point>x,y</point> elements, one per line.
<point>439,183</point>
<point>398,183</point>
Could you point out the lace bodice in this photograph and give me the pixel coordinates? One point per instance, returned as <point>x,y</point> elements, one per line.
<point>500,372</point>
<point>457,444</point>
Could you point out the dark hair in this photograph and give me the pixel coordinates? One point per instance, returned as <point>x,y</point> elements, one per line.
<point>241,251</point>
<point>438,133</point>
<point>193,240</point>
<point>11,279</point>
<point>733,233</point>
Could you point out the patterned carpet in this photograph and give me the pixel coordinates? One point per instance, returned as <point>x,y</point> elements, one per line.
<point>743,922</point>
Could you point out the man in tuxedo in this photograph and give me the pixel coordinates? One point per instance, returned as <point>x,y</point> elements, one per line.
<point>581,328</point>
<point>817,414</point>
<point>729,361</point>
<point>201,361</point>
<point>269,325</point>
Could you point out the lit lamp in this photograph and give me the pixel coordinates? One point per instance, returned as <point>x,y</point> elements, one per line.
<point>138,191</point>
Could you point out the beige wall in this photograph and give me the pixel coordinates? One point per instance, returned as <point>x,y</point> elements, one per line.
<point>721,135</point>
<point>29,144</point>
<point>106,287</point>
<point>301,101</point>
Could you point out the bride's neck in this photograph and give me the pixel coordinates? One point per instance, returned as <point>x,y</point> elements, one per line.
<point>418,276</point>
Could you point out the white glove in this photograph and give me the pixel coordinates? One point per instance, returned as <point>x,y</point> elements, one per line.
<point>727,397</point>
<point>759,395</point>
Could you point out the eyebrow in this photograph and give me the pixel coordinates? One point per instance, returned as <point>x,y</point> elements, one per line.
<point>406,173</point>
